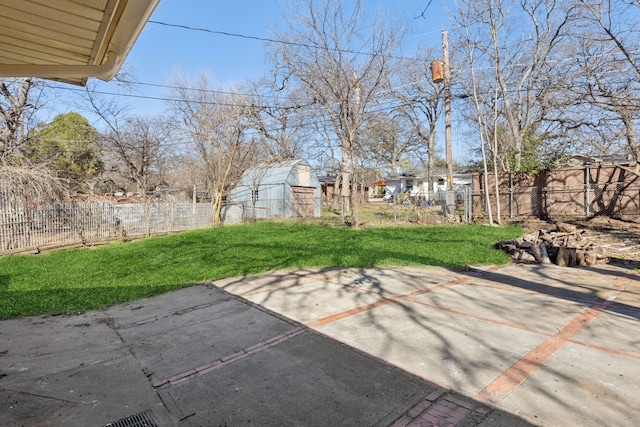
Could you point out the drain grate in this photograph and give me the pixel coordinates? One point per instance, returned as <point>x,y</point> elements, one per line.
<point>143,419</point>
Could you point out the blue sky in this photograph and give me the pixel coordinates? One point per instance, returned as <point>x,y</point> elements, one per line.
<point>161,51</point>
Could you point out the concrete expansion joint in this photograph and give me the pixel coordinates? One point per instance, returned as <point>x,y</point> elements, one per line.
<point>228,359</point>
<point>263,309</point>
<point>524,368</point>
<point>174,313</point>
<point>384,301</point>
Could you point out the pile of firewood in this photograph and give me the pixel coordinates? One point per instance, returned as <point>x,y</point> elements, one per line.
<point>564,246</point>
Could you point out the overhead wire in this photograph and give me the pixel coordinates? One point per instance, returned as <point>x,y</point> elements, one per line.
<point>276,41</point>
<point>271,40</point>
<point>391,104</point>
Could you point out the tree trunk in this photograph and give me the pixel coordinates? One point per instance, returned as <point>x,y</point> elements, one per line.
<point>629,134</point>
<point>344,195</point>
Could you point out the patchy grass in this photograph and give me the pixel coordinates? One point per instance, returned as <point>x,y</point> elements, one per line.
<point>82,279</point>
<point>381,213</point>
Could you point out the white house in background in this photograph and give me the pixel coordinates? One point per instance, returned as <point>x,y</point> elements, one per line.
<point>418,186</point>
<point>405,183</point>
<point>288,189</point>
<point>460,183</point>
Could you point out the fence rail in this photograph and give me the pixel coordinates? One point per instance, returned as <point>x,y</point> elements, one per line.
<point>80,222</point>
<point>294,208</point>
<point>614,199</point>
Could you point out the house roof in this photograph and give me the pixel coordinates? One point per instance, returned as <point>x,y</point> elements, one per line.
<point>69,40</point>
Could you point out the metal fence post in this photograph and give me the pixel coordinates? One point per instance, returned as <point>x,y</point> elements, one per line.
<point>587,179</point>
<point>468,202</point>
<point>395,213</point>
<point>510,194</point>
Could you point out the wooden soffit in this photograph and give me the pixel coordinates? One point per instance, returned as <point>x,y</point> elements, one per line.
<point>69,40</point>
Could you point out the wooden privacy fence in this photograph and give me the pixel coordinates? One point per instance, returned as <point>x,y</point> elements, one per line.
<point>567,193</point>
<point>66,223</point>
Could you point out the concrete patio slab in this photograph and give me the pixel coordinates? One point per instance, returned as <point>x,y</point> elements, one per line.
<point>488,346</point>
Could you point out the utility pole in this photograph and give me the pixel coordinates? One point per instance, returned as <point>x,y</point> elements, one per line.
<point>447,123</point>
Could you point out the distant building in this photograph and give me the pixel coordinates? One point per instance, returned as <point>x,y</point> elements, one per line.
<point>287,189</point>
<point>332,195</point>
<point>417,186</point>
<point>404,183</point>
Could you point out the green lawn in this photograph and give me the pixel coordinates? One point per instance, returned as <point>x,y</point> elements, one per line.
<point>77,280</point>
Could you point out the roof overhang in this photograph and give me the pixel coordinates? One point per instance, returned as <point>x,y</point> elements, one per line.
<point>69,40</point>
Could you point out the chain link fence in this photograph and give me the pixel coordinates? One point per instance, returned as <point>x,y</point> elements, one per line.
<point>67,222</point>
<point>614,199</point>
<point>236,213</point>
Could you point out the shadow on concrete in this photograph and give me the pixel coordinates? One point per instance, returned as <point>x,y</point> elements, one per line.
<point>374,301</point>
<point>583,294</point>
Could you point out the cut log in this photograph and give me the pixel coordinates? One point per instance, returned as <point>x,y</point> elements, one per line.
<point>508,247</point>
<point>527,257</point>
<point>546,237</point>
<point>540,253</point>
<point>580,257</point>
<point>590,258</point>
<point>566,257</point>
<point>564,245</point>
<point>586,258</point>
<point>566,228</point>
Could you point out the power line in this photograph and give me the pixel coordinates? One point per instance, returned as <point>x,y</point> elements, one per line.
<point>305,45</point>
<point>276,41</point>
<point>202,102</point>
<point>166,99</point>
<point>460,95</point>
<point>214,91</point>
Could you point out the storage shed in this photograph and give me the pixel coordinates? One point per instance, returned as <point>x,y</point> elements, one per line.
<point>288,189</point>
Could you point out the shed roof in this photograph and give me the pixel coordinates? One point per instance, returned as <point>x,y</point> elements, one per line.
<point>69,40</point>
<point>270,173</point>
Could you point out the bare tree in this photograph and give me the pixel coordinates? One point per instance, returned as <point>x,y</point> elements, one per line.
<point>470,43</point>
<point>610,18</point>
<point>16,106</point>
<point>138,148</point>
<point>134,146</point>
<point>20,180</point>
<point>342,60</point>
<point>389,143</point>
<point>23,185</point>
<point>421,104</point>
<point>279,114</point>
<point>520,48</point>
<point>609,66</point>
<point>215,124</point>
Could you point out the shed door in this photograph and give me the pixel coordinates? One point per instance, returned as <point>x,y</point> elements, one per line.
<point>302,202</point>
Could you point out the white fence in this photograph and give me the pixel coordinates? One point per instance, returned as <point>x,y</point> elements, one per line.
<point>81,222</point>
